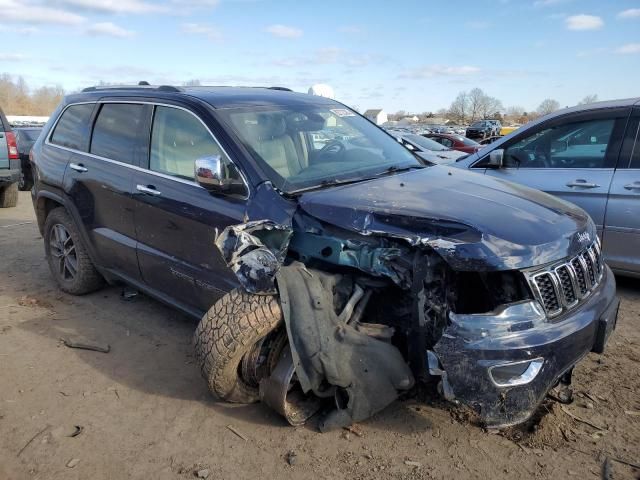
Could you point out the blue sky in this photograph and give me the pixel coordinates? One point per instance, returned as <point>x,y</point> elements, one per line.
<point>414,55</point>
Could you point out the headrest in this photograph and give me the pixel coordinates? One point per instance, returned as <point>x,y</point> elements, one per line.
<point>271,126</point>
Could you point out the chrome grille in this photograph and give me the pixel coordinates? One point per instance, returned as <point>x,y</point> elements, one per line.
<point>579,271</point>
<point>562,286</point>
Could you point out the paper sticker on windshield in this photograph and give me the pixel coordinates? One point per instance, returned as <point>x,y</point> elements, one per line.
<point>343,112</point>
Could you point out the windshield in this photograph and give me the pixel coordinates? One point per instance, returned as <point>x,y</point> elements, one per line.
<point>478,124</point>
<point>425,143</point>
<point>306,146</point>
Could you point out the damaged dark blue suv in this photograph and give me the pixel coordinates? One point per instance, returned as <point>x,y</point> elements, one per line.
<point>331,268</point>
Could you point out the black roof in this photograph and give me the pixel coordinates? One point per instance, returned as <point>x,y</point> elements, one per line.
<point>217,97</point>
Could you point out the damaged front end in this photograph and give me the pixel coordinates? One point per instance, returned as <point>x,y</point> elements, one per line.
<point>382,301</point>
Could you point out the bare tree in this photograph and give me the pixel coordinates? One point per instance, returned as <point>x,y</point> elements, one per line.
<point>459,109</point>
<point>17,98</point>
<point>548,105</point>
<point>588,99</point>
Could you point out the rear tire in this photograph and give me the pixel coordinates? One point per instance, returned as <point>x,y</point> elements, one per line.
<point>232,328</point>
<point>9,196</point>
<point>67,255</point>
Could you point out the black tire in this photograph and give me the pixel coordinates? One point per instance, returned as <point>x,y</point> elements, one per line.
<point>9,195</point>
<point>26,181</point>
<point>63,255</point>
<point>227,332</point>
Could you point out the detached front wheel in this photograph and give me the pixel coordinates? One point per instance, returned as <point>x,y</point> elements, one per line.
<point>238,342</point>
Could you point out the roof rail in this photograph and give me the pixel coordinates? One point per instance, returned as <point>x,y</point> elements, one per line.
<point>284,89</point>
<point>140,86</point>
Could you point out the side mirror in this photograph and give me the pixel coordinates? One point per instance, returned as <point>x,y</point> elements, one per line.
<point>216,176</point>
<point>496,158</point>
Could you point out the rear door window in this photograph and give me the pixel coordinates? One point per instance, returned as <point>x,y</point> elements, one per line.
<point>73,127</point>
<point>118,132</point>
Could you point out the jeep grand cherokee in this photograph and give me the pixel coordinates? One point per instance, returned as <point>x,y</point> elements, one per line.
<point>328,264</point>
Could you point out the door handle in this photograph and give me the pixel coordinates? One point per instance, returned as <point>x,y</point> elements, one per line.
<point>150,189</point>
<point>582,183</point>
<point>78,167</point>
<point>633,186</point>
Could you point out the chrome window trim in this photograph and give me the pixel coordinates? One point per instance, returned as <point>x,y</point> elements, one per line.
<point>135,167</point>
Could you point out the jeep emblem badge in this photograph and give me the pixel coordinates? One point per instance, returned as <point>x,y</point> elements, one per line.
<point>584,237</point>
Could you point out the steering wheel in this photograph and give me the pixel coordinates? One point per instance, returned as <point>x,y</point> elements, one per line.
<point>334,147</point>
<point>540,156</point>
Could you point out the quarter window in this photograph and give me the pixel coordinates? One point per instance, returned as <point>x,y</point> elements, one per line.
<point>117,131</point>
<point>571,145</point>
<point>178,139</point>
<point>72,128</point>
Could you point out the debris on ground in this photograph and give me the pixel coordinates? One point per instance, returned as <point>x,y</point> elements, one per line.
<point>291,457</point>
<point>129,294</point>
<point>203,473</point>
<point>86,345</point>
<point>32,439</point>
<point>412,463</point>
<point>78,430</point>
<point>234,430</point>
<point>73,462</point>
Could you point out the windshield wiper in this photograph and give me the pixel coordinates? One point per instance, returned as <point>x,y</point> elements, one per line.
<point>396,169</point>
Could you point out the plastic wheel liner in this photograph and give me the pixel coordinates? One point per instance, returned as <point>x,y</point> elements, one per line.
<point>331,357</point>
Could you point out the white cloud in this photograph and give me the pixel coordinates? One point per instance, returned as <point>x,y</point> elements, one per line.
<point>430,71</point>
<point>33,13</point>
<point>115,6</point>
<point>630,13</point>
<point>11,57</point>
<point>19,30</point>
<point>109,29</point>
<point>629,48</point>
<point>284,31</point>
<point>584,22</point>
<point>202,29</point>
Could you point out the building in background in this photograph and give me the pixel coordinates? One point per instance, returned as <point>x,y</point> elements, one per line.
<point>377,116</point>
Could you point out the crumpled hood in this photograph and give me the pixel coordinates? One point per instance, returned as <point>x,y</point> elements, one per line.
<point>474,221</point>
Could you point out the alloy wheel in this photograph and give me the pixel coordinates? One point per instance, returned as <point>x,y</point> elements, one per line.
<point>63,250</point>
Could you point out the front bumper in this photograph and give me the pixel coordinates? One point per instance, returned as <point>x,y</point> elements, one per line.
<point>9,176</point>
<point>474,348</point>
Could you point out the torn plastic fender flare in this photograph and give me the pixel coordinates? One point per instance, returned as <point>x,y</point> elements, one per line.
<point>255,251</point>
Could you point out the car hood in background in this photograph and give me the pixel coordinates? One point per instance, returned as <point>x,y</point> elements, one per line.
<point>475,222</point>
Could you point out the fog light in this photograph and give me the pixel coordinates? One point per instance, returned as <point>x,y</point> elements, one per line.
<point>515,373</point>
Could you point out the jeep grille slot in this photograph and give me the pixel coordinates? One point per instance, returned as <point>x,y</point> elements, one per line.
<point>548,293</point>
<point>568,289</point>
<point>582,282</point>
<point>563,286</point>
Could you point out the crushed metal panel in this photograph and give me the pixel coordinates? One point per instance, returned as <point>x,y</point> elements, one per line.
<point>255,251</point>
<point>333,358</point>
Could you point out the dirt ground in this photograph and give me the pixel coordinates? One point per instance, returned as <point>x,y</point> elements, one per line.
<point>143,411</point>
